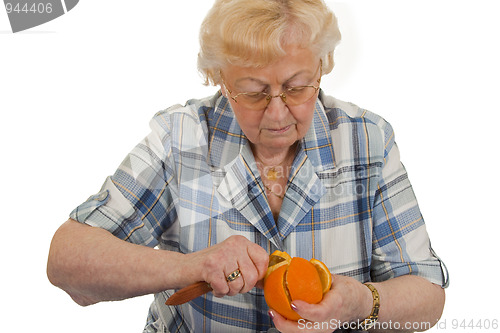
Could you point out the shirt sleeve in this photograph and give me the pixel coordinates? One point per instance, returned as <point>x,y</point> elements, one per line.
<point>401,245</point>
<point>135,204</point>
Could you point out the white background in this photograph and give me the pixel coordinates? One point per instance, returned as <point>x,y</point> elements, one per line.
<point>77,93</point>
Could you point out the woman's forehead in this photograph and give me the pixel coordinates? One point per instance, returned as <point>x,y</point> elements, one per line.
<point>266,78</point>
<point>297,63</point>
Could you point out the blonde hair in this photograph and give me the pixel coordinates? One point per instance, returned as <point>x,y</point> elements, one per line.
<point>254,33</point>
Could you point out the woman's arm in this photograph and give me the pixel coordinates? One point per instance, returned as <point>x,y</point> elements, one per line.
<point>407,304</point>
<point>92,265</point>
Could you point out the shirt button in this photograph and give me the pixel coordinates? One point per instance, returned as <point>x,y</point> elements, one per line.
<point>102,196</point>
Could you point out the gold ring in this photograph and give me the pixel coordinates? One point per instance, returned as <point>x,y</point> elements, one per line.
<point>233,276</point>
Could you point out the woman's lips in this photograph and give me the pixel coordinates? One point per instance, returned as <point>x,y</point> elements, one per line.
<point>279,130</point>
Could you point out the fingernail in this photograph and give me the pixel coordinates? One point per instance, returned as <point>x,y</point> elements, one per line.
<point>294,307</point>
<point>271,314</point>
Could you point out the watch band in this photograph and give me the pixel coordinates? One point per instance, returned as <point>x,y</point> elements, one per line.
<point>370,321</point>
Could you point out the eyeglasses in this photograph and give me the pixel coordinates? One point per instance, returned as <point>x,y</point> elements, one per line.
<point>292,96</point>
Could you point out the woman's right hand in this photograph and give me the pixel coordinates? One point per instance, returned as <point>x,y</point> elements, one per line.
<point>217,262</point>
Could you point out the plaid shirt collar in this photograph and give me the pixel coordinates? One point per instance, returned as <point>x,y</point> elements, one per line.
<point>230,153</point>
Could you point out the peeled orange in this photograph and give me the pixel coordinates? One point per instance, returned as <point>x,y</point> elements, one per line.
<point>324,274</point>
<point>288,279</point>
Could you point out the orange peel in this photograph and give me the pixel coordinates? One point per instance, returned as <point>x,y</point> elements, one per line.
<point>289,279</point>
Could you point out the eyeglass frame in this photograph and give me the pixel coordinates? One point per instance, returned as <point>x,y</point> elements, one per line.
<point>269,97</point>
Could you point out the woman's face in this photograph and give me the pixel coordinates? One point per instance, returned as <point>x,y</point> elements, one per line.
<point>277,126</point>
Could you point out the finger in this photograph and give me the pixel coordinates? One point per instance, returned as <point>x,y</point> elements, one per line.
<point>235,285</point>
<point>312,312</point>
<point>284,325</point>
<point>317,312</point>
<point>260,259</point>
<point>260,284</point>
<point>219,285</point>
<point>249,273</point>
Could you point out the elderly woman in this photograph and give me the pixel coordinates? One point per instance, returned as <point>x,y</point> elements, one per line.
<point>270,162</point>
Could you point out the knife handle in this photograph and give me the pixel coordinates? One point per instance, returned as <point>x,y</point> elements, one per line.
<point>189,293</point>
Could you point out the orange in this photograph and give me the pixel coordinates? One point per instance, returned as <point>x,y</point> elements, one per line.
<point>276,294</point>
<point>324,274</point>
<point>303,282</point>
<point>276,260</point>
<point>278,256</point>
<point>288,279</point>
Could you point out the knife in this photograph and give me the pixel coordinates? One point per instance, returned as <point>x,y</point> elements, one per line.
<point>189,293</point>
<point>197,289</point>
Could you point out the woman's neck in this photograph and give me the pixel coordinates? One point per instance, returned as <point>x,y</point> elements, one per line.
<point>272,158</point>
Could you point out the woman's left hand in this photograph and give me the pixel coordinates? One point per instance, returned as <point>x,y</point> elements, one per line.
<point>348,301</point>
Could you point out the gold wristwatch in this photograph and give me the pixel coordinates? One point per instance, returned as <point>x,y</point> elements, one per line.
<point>373,317</point>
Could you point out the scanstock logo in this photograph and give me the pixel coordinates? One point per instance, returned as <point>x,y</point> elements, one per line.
<point>26,14</point>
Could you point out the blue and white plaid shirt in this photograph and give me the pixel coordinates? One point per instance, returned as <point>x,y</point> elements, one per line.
<point>193,182</point>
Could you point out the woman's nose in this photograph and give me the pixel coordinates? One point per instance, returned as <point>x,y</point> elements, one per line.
<point>277,108</point>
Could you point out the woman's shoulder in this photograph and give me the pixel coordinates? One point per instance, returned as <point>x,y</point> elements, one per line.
<point>191,114</point>
<point>191,109</point>
<point>349,111</point>
<point>356,118</point>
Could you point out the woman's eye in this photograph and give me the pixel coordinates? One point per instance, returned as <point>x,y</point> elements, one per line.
<point>295,90</point>
<point>254,96</point>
